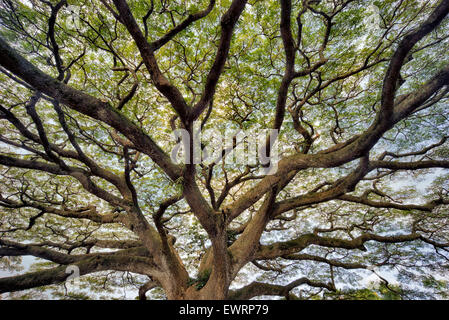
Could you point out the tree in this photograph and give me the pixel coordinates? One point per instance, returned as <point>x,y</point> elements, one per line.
<point>93,90</point>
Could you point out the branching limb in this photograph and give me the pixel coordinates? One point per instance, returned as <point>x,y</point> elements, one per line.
<point>256,289</point>
<point>398,59</point>
<point>157,44</point>
<point>87,105</point>
<point>228,22</point>
<point>97,263</point>
<point>293,246</point>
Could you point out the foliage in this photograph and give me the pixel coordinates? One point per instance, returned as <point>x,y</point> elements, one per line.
<point>93,90</point>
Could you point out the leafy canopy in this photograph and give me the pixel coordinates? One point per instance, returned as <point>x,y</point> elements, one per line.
<point>93,90</point>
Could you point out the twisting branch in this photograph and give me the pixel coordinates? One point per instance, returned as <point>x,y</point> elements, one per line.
<point>296,245</point>
<point>87,105</point>
<point>228,22</point>
<point>397,61</point>
<point>256,289</point>
<point>157,44</point>
<point>147,52</point>
<point>97,263</point>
